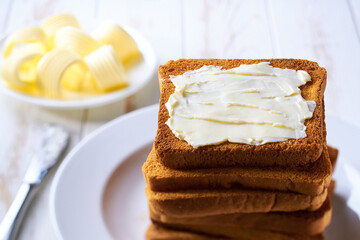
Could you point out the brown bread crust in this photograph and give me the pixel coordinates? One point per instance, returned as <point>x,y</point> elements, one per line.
<point>198,203</point>
<point>310,180</point>
<point>158,231</point>
<point>178,154</point>
<point>300,222</point>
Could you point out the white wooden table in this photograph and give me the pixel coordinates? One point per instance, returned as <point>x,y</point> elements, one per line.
<point>324,31</point>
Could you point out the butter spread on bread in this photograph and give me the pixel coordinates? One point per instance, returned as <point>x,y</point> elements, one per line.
<point>253,104</point>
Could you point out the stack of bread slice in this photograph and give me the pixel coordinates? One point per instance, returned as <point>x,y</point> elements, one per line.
<point>278,190</point>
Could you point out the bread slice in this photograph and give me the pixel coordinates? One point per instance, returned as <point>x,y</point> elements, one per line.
<point>237,233</point>
<point>178,154</point>
<point>305,222</point>
<point>300,222</point>
<point>198,203</point>
<point>311,179</point>
<point>160,232</point>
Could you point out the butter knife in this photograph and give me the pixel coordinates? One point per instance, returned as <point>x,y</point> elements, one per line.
<point>53,143</point>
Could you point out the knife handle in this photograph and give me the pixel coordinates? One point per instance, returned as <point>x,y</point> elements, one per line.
<point>11,223</point>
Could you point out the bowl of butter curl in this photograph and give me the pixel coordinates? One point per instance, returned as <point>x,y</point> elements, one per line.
<point>58,65</point>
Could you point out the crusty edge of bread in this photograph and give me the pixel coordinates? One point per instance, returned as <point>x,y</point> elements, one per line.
<point>166,179</point>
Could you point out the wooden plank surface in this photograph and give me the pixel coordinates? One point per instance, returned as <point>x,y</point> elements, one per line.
<point>354,8</point>
<point>30,12</point>
<point>226,29</point>
<point>5,9</point>
<point>322,31</point>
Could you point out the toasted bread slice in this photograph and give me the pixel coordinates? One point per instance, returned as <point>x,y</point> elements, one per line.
<point>160,232</point>
<point>311,179</point>
<point>198,203</point>
<point>300,222</point>
<point>178,154</point>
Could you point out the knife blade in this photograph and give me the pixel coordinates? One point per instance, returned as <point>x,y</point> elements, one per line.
<point>53,144</point>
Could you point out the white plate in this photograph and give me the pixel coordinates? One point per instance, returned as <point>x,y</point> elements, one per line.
<point>138,77</point>
<point>98,191</point>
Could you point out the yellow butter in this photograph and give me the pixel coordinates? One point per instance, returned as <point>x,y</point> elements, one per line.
<point>51,68</point>
<point>18,69</point>
<point>106,68</point>
<point>78,79</point>
<point>28,90</point>
<point>124,46</point>
<point>26,35</point>
<point>59,60</point>
<point>55,23</point>
<point>75,40</point>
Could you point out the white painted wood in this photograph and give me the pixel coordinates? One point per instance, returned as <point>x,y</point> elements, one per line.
<point>31,12</point>
<point>226,29</point>
<point>322,31</point>
<point>5,7</point>
<point>354,6</point>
